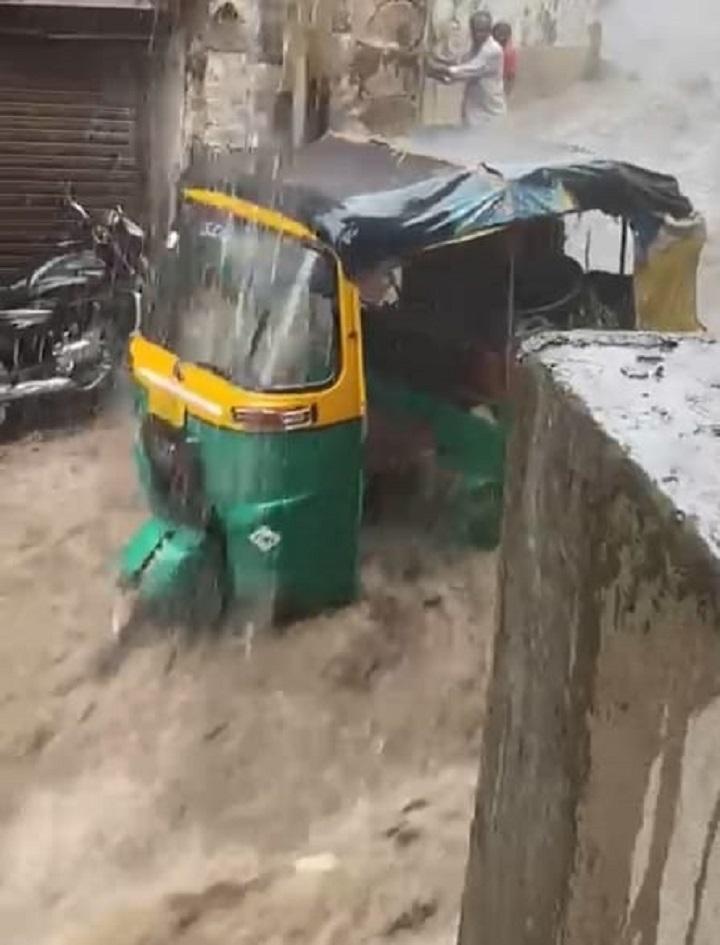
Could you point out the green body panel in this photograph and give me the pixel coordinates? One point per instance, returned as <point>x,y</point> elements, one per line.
<point>289,505</point>
<point>138,552</point>
<point>470,447</point>
<point>160,557</point>
<point>286,507</point>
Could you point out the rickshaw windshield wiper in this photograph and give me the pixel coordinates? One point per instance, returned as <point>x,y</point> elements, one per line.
<point>260,327</point>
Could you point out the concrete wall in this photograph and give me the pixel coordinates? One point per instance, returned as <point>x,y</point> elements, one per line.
<point>599,797</point>
<point>534,22</point>
<point>227,65</point>
<point>165,131</point>
<point>236,73</point>
<point>552,40</point>
<point>215,78</point>
<point>552,37</point>
<point>543,71</point>
<point>245,57</point>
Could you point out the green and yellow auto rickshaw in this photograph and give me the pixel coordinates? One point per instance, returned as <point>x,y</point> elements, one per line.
<point>367,268</point>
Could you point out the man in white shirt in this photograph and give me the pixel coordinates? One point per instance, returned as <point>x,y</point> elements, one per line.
<point>481,71</point>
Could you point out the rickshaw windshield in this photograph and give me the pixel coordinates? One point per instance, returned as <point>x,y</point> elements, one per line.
<point>251,304</point>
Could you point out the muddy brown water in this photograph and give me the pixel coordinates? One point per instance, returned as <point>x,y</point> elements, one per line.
<point>140,795</point>
<point>317,788</point>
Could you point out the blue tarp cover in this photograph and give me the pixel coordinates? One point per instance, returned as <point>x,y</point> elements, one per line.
<point>374,200</point>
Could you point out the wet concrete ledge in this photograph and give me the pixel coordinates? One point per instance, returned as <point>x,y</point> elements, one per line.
<point>598,805</point>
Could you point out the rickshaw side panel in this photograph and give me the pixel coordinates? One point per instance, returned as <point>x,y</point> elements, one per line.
<point>290,506</point>
<point>161,559</point>
<point>284,519</point>
<point>666,278</point>
<point>277,488</point>
<point>469,457</point>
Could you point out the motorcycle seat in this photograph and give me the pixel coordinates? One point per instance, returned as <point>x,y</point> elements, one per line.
<point>20,318</point>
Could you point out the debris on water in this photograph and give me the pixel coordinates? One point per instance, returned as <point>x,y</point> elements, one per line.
<point>413,918</point>
<point>319,863</point>
<point>433,601</point>
<point>248,638</point>
<point>36,741</point>
<point>635,373</point>
<point>403,834</point>
<point>188,909</point>
<point>87,711</point>
<point>171,660</point>
<point>418,803</point>
<point>212,733</point>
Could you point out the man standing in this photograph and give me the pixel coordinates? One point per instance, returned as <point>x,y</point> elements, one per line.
<point>481,71</point>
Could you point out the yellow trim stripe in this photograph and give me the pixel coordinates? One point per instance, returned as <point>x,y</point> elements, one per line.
<point>262,216</point>
<point>178,390</point>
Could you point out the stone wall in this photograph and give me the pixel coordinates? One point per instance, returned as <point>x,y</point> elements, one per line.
<point>217,75</point>
<point>165,110</point>
<point>250,65</point>
<point>552,36</point>
<point>231,74</point>
<point>553,41</point>
<point>237,55</point>
<point>543,71</point>
<point>534,22</point>
<point>599,798</point>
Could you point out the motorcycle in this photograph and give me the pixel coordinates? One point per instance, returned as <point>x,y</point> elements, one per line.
<point>64,323</point>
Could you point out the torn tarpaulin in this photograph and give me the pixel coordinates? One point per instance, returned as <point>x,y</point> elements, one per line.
<point>372,201</point>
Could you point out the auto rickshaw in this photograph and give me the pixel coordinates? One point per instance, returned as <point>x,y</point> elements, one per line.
<point>373,287</point>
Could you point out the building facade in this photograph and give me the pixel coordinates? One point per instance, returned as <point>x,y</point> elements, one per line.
<point>110,98</point>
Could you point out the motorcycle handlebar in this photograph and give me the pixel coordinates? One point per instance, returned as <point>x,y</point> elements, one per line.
<point>113,219</point>
<point>79,209</point>
<point>109,232</point>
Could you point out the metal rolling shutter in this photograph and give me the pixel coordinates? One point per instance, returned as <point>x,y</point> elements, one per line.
<point>68,114</point>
